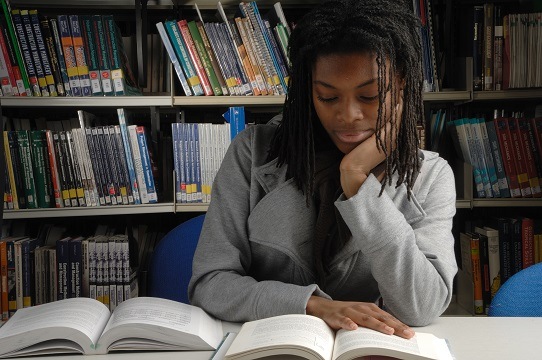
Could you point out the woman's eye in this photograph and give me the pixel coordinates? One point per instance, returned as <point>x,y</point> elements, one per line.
<point>323,99</point>
<point>369,98</point>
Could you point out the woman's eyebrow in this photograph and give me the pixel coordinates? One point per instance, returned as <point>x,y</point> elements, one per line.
<point>325,84</point>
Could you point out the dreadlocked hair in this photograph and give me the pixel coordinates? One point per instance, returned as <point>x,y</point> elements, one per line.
<point>389,30</point>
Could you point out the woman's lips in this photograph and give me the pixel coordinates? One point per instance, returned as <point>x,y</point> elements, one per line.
<point>353,136</point>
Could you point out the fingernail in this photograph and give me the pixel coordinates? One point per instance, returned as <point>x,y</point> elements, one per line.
<point>389,329</point>
<point>408,332</point>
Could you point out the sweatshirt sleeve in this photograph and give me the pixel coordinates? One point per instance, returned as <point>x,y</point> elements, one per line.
<point>411,249</point>
<point>220,283</point>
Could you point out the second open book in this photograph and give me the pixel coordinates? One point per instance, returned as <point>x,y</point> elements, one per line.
<point>311,338</point>
<point>82,325</point>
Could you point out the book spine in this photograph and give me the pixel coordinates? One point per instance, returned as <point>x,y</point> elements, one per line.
<point>244,59</point>
<point>225,66</point>
<point>92,268</point>
<point>276,52</point>
<point>10,171</point>
<point>88,198</point>
<point>32,45</point>
<point>119,270</point>
<point>488,156</point>
<point>103,55</point>
<point>126,269</point>
<point>69,54</point>
<point>42,182</point>
<point>204,57</point>
<point>477,274</point>
<point>43,55</point>
<point>63,261</point>
<point>112,260</point>
<point>17,245</point>
<point>138,166</point>
<point>99,271</point>
<point>25,51</point>
<point>147,178</point>
<point>527,242</point>
<point>117,74</point>
<point>517,251</point>
<point>123,170</point>
<point>498,47</point>
<point>184,59</point>
<point>106,164</point>
<point>61,163</point>
<point>488,46</point>
<point>17,60</point>
<point>116,164</point>
<point>212,58</point>
<point>194,57</point>
<point>498,161</point>
<point>85,285</point>
<point>173,58</point>
<point>134,181</point>
<point>251,52</point>
<point>233,56</point>
<point>7,79</point>
<point>503,134</point>
<point>79,52</point>
<point>96,168</point>
<point>105,270</point>
<point>13,70</point>
<point>484,272</point>
<point>4,308</point>
<point>61,58</point>
<point>532,172</point>
<point>101,165</point>
<point>70,174</point>
<point>91,54</point>
<point>52,56</point>
<point>23,141</point>
<point>28,272</point>
<point>16,163</point>
<point>75,260</point>
<point>519,156</point>
<point>79,178</point>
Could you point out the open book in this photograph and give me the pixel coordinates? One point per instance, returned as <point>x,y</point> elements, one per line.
<point>311,338</point>
<point>86,326</point>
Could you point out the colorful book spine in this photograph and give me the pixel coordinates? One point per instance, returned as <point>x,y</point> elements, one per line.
<point>225,66</point>
<point>43,54</point>
<point>52,55</point>
<point>10,171</point>
<point>103,55</point>
<point>77,173</point>
<point>204,57</point>
<point>42,180</point>
<point>26,53</point>
<point>144,153</point>
<point>498,161</point>
<point>91,54</point>
<point>212,58</point>
<point>69,54</point>
<point>32,45</point>
<point>55,177</point>
<point>173,58</point>
<point>503,134</point>
<point>194,57</point>
<point>119,151</point>
<point>6,73</point>
<point>17,61</point>
<point>23,141</point>
<point>519,157</point>
<point>79,51</point>
<point>184,59</point>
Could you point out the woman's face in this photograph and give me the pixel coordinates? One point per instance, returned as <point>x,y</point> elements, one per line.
<point>345,96</point>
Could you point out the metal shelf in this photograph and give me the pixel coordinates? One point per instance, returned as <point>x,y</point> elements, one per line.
<point>519,94</point>
<point>78,102</point>
<point>507,202</point>
<point>443,96</point>
<point>186,101</point>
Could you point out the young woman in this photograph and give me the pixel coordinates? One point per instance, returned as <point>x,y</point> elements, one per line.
<point>336,207</point>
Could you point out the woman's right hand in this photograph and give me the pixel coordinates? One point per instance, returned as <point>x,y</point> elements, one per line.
<point>350,314</point>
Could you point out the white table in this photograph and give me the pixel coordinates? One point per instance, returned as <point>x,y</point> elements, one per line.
<point>470,338</point>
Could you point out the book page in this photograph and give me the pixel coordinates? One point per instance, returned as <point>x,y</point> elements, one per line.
<point>363,342</point>
<point>79,319</point>
<point>284,332</point>
<point>160,320</point>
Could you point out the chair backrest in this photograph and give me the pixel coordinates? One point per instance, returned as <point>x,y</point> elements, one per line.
<point>171,262</point>
<point>520,295</point>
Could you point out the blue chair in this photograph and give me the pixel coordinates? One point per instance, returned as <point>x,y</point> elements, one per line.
<point>171,262</point>
<point>520,295</point>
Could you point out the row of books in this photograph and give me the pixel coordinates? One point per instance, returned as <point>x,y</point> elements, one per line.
<point>490,255</point>
<point>422,8</point>
<point>97,267</point>
<point>198,150</point>
<point>506,49</point>
<point>505,153</point>
<point>246,55</point>
<point>65,55</point>
<point>87,166</point>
